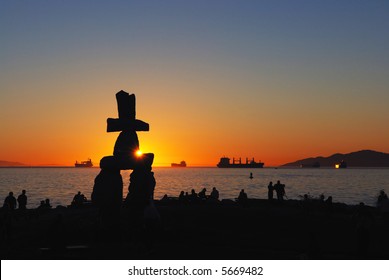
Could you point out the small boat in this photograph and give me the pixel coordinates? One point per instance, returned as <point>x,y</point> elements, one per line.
<point>181,164</point>
<point>237,163</point>
<point>86,163</point>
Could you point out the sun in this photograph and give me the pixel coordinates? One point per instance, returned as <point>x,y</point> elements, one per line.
<point>138,153</point>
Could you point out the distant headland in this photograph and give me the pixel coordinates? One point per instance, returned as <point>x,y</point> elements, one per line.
<point>364,158</point>
<point>4,163</point>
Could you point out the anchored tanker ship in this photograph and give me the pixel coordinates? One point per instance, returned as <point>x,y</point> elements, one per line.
<point>181,164</point>
<point>87,163</point>
<point>237,163</point>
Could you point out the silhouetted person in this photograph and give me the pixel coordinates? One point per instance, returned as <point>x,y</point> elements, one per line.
<point>42,208</point>
<point>10,200</point>
<point>181,197</point>
<point>251,175</point>
<point>47,203</point>
<point>280,190</point>
<point>202,194</point>
<point>242,195</point>
<point>165,198</point>
<point>277,187</point>
<point>214,194</point>
<point>383,205</point>
<point>22,200</point>
<point>270,189</point>
<point>242,198</point>
<point>78,199</point>
<point>381,197</point>
<point>41,205</point>
<point>193,197</point>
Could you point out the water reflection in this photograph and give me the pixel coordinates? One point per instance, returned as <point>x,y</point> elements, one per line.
<point>61,184</point>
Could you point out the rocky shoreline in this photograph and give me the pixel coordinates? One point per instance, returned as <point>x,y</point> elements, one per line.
<point>258,229</point>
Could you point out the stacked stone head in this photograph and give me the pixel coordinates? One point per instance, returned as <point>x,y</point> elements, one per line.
<point>127,144</point>
<point>108,189</point>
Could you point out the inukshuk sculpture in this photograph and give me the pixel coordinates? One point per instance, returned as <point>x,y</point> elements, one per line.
<point>108,188</point>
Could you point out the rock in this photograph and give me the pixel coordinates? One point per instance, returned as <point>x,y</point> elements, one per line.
<point>127,162</point>
<point>126,105</point>
<point>142,184</point>
<point>108,188</point>
<point>126,124</point>
<point>126,144</point>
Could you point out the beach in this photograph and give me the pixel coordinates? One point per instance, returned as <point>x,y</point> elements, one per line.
<point>258,229</point>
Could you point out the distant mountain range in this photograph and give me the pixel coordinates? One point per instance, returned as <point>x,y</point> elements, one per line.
<point>10,163</point>
<point>365,158</point>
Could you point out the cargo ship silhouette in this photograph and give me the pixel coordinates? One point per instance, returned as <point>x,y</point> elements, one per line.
<point>237,163</point>
<point>87,163</point>
<point>181,164</point>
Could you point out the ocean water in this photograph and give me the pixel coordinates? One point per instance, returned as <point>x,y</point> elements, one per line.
<point>351,185</point>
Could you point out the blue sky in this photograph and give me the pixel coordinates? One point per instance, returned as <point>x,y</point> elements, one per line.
<point>281,68</point>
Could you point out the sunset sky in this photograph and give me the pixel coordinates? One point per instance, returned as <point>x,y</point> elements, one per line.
<point>275,80</point>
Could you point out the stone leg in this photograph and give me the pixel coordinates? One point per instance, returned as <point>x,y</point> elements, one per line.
<point>108,195</point>
<point>140,192</point>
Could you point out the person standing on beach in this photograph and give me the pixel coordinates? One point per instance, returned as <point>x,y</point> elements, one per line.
<point>280,190</point>
<point>10,200</point>
<point>270,190</point>
<point>22,200</point>
<point>47,203</point>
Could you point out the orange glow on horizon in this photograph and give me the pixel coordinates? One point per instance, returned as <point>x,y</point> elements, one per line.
<point>238,94</point>
<point>180,133</point>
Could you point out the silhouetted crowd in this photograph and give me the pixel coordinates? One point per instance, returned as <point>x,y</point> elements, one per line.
<point>194,197</point>
<point>203,197</point>
<point>363,217</point>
